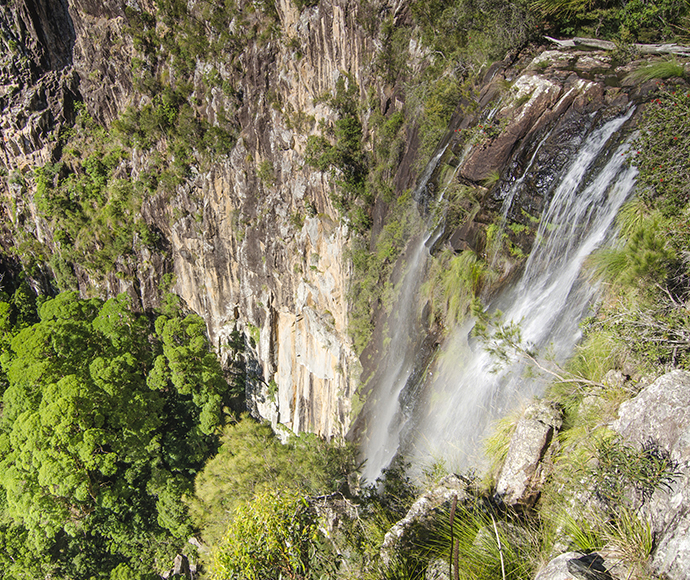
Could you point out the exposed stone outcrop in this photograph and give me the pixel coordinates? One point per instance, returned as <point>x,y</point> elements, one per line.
<point>437,570</point>
<point>660,414</point>
<point>37,84</point>
<point>549,95</point>
<point>272,256</point>
<point>575,565</point>
<point>181,569</point>
<point>335,514</point>
<point>420,515</point>
<point>265,255</point>
<point>524,473</point>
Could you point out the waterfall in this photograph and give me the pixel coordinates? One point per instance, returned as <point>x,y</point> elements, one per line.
<point>548,302</point>
<point>387,418</point>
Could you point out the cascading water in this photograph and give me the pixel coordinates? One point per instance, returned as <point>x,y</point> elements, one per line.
<point>548,303</point>
<point>386,421</point>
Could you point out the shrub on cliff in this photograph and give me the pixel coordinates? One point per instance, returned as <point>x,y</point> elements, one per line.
<point>628,21</point>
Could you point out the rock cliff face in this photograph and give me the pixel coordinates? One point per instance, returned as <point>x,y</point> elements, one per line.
<point>37,82</point>
<point>269,254</point>
<point>264,254</point>
<point>254,238</point>
<point>660,415</point>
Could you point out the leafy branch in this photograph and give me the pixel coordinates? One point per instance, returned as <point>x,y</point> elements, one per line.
<point>504,342</point>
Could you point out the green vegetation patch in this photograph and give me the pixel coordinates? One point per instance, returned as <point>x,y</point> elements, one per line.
<point>632,21</point>
<point>107,417</point>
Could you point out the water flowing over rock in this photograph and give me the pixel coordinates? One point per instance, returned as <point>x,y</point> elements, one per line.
<point>270,256</point>
<point>562,152</point>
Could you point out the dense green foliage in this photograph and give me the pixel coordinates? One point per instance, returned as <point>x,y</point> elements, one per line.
<point>286,529</point>
<point>110,419</point>
<point>256,506</point>
<point>663,149</point>
<point>252,460</point>
<point>649,269</point>
<point>106,420</point>
<point>625,21</point>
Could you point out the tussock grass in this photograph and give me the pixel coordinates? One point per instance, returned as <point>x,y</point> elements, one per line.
<point>480,544</point>
<point>659,70</point>
<point>453,283</point>
<point>561,7</point>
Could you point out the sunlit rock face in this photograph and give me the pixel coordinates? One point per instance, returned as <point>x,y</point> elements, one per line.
<point>265,255</point>
<point>253,238</point>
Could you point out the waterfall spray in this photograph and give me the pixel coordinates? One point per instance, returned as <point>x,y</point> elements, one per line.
<point>548,302</point>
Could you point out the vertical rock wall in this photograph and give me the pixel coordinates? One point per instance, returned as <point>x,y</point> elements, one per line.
<point>265,254</point>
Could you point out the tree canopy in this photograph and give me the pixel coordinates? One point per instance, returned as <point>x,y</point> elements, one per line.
<point>107,416</point>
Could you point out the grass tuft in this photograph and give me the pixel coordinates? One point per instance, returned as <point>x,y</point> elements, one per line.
<point>659,70</point>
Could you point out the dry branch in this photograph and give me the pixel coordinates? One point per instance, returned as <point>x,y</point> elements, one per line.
<point>608,45</point>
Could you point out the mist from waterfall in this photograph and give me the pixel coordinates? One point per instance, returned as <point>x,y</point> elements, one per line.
<point>387,420</point>
<point>548,302</point>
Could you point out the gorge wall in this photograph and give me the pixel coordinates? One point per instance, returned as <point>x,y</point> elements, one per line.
<point>267,256</point>
<point>255,238</point>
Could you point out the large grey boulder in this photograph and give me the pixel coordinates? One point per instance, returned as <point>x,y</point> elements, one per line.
<point>523,473</point>
<point>335,512</point>
<point>660,415</point>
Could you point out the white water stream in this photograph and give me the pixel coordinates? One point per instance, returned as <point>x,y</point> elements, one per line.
<point>548,302</point>
<point>386,420</point>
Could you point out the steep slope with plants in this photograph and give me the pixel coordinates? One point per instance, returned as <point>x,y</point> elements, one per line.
<point>274,164</point>
<point>252,149</point>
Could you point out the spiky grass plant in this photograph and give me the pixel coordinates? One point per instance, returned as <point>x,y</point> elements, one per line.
<point>480,544</point>
<point>491,179</point>
<point>659,70</point>
<point>629,537</point>
<point>626,537</point>
<point>453,283</point>
<point>644,257</point>
<point>561,7</point>
<point>583,532</point>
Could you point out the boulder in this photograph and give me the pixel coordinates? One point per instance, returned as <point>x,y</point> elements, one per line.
<point>660,416</point>
<point>181,569</point>
<point>437,569</point>
<point>334,511</point>
<point>575,566</point>
<point>421,514</point>
<point>523,473</point>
